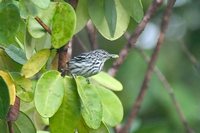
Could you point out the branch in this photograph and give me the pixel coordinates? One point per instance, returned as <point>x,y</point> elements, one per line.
<point>92,35</point>
<point>64,53</point>
<point>64,56</point>
<point>144,87</point>
<point>191,57</point>
<point>133,39</point>
<point>170,90</point>
<point>13,114</point>
<point>80,43</point>
<point>43,24</point>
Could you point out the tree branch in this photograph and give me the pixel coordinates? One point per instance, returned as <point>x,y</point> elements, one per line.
<point>64,53</point>
<point>191,57</point>
<point>43,24</point>
<point>92,35</point>
<point>133,39</point>
<point>144,87</point>
<point>13,114</point>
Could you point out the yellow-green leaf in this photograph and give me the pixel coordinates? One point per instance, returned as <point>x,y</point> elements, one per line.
<point>63,24</point>
<point>49,93</point>
<point>24,87</point>
<point>110,103</point>
<point>4,99</point>
<point>12,93</point>
<point>68,115</point>
<point>111,23</point>
<point>91,108</point>
<point>35,63</point>
<point>107,81</point>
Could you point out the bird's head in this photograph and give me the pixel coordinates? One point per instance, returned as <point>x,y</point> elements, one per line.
<point>104,55</point>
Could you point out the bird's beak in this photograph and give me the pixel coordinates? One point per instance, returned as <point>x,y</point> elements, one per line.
<point>114,56</point>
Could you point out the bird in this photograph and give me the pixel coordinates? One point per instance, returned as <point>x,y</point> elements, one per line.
<point>89,63</point>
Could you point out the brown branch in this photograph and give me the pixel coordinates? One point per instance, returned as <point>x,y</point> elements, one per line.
<point>92,35</point>
<point>133,39</point>
<point>64,53</point>
<point>170,90</point>
<point>144,87</point>
<point>43,24</point>
<point>13,114</point>
<point>10,127</point>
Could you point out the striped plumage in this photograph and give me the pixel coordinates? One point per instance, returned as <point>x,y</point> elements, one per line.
<point>89,63</point>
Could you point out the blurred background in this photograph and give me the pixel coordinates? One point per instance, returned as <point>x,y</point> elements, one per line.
<point>178,61</point>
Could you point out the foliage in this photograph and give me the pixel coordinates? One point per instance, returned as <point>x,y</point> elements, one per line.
<point>27,58</point>
<point>29,55</point>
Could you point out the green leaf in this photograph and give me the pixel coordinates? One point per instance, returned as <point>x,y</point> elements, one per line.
<point>23,124</point>
<point>6,63</point>
<point>63,25</point>
<point>68,115</point>
<point>107,81</point>
<point>101,129</point>
<point>82,15</point>
<point>24,87</point>
<point>4,99</point>
<point>29,45</point>
<point>42,132</point>
<point>34,28</point>
<point>43,43</point>
<point>91,108</point>
<point>35,63</point>
<point>4,126</point>
<point>41,3</point>
<point>110,103</point>
<point>83,128</point>
<point>27,8</point>
<point>134,8</point>
<point>16,54</point>
<point>49,93</point>
<point>9,21</point>
<point>106,25</point>
<point>111,15</point>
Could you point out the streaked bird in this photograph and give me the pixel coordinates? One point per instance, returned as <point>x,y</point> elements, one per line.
<point>89,63</point>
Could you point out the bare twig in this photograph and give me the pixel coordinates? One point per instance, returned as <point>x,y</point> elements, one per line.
<point>133,39</point>
<point>92,35</point>
<point>189,54</point>
<point>43,24</point>
<point>64,53</point>
<point>80,43</point>
<point>144,87</point>
<point>170,90</point>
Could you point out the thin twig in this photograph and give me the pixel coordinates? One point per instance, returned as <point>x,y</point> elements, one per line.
<point>80,43</point>
<point>189,54</point>
<point>144,87</point>
<point>92,35</point>
<point>134,37</point>
<point>170,90</point>
<point>64,52</point>
<point>43,24</point>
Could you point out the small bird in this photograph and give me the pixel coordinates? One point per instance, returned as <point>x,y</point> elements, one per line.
<point>89,63</point>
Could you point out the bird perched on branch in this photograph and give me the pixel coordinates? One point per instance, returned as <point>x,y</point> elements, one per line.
<point>89,63</point>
